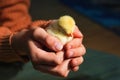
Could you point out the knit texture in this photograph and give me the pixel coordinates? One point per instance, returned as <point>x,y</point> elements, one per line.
<point>14,17</point>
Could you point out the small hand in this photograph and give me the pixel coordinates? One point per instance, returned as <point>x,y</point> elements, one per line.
<point>42,60</point>
<point>75,50</point>
<point>49,62</point>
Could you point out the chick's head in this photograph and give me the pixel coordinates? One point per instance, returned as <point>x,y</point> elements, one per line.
<point>67,23</point>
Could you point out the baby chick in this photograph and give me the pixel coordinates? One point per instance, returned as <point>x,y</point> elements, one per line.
<point>62,28</point>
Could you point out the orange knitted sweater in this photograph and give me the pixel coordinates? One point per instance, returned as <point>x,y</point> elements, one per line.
<point>14,16</point>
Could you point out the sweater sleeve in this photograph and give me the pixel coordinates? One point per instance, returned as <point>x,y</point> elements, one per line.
<point>14,16</point>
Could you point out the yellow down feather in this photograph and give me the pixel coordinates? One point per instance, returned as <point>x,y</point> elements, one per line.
<point>62,28</point>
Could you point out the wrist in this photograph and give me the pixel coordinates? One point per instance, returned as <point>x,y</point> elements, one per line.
<point>13,45</point>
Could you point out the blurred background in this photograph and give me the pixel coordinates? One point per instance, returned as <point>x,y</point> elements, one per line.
<point>99,21</point>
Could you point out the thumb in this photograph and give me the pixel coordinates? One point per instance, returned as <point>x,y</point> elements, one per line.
<point>49,41</point>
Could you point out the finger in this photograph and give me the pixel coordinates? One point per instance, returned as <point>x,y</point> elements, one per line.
<point>53,43</point>
<point>61,70</point>
<point>49,58</point>
<point>64,68</point>
<point>77,33</point>
<point>49,41</point>
<point>74,43</point>
<point>76,61</point>
<point>47,69</point>
<point>75,52</point>
<point>76,68</point>
<point>39,56</point>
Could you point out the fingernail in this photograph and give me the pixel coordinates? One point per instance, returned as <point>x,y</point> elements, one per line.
<point>58,46</point>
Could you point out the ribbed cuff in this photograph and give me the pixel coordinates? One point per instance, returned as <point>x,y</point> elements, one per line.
<point>7,54</point>
<point>40,23</point>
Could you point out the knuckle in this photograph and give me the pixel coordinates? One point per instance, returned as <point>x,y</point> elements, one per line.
<point>82,36</point>
<point>62,72</point>
<point>84,50</point>
<point>35,31</point>
<point>54,60</point>
<point>57,60</point>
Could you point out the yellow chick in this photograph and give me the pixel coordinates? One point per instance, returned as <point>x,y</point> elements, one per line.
<point>62,28</point>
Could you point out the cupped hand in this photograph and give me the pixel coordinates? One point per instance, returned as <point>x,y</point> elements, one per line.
<point>75,50</point>
<point>36,43</point>
<point>46,52</point>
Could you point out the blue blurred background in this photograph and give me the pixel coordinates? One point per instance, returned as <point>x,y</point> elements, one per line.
<point>105,12</point>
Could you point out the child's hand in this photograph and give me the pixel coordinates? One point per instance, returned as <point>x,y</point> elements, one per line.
<point>33,43</point>
<point>75,50</point>
<point>36,44</point>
